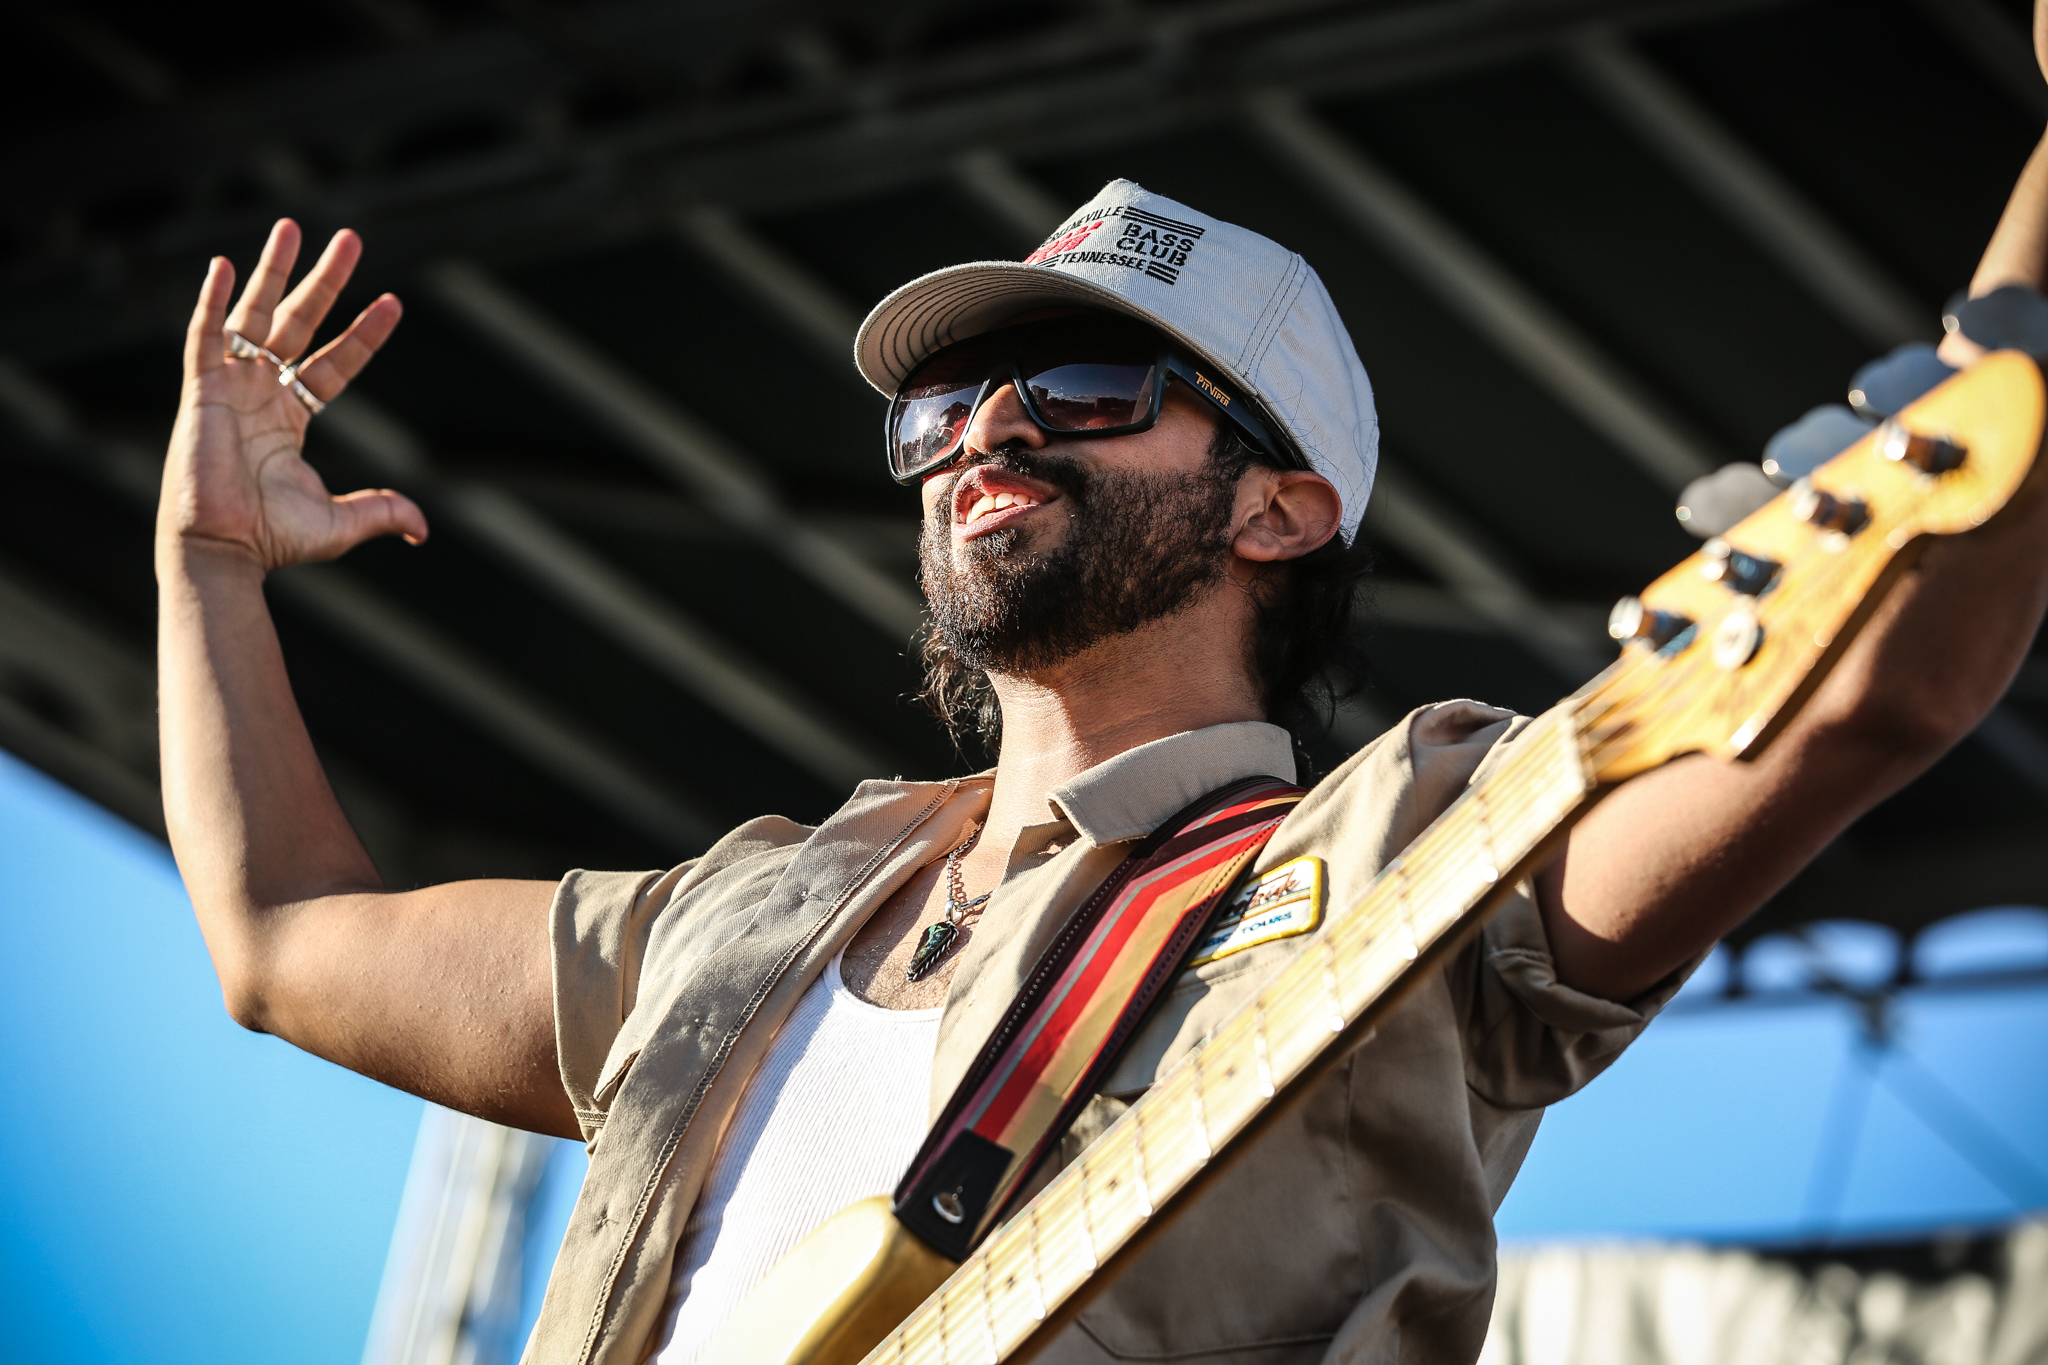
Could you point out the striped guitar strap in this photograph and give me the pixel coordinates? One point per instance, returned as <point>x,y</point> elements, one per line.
<point>1082,1003</point>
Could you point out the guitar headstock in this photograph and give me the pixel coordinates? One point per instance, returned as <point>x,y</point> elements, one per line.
<point>1722,651</point>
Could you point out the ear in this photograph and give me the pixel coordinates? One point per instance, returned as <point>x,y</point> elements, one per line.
<point>1284,514</point>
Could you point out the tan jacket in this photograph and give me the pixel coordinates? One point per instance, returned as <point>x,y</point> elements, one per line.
<point>1361,1230</point>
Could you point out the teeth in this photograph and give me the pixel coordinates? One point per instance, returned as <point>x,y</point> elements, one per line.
<point>996,502</point>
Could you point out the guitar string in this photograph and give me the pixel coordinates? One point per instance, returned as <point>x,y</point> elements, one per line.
<point>1037,1277</point>
<point>1087,1223</point>
<point>1138,1148</point>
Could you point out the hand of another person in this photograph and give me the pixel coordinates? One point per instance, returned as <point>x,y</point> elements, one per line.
<point>235,475</point>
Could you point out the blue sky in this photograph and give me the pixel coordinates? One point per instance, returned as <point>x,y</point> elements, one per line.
<point>177,1190</point>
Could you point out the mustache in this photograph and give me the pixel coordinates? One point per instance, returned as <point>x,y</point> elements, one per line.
<point>1063,472</point>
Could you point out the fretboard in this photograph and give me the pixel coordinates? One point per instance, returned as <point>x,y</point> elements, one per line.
<point>1417,910</point>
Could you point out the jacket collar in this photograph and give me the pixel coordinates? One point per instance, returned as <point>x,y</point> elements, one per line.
<point>1127,797</point>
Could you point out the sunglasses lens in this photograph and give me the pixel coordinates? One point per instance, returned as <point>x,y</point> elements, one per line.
<point>1088,373</point>
<point>1087,397</point>
<point>927,422</point>
<point>933,407</point>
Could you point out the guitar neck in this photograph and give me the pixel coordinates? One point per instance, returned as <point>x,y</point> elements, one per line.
<point>1032,1274</point>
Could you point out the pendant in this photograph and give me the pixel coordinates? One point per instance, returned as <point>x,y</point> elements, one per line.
<point>931,947</point>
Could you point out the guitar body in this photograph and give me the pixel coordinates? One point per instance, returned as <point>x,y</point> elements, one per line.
<point>1719,654</point>
<point>836,1294</point>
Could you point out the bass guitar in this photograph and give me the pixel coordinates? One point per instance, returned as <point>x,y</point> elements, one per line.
<point>1717,656</point>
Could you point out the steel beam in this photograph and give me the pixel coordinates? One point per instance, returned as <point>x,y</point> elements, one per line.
<point>1424,606</point>
<point>810,306</point>
<point>496,71</point>
<point>818,314</point>
<point>691,655</point>
<point>675,443</point>
<point>81,765</point>
<point>1753,196</point>
<point>880,126</point>
<point>880,538</point>
<point>1483,292</point>
<point>992,180</point>
<point>407,645</point>
<point>78,704</point>
<point>412,648</point>
<point>1478,576</point>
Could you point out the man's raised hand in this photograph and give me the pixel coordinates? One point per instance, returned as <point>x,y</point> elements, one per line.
<point>235,476</point>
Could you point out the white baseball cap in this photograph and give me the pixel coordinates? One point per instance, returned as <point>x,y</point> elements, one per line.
<point>1242,302</point>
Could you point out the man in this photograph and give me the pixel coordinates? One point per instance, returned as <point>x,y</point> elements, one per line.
<point>1141,454</point>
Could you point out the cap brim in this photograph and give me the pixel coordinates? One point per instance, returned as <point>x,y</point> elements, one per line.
<point>961,301</point>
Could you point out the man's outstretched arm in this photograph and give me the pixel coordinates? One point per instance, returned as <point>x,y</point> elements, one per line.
<point>1677,857</point>
<point>443,991</point>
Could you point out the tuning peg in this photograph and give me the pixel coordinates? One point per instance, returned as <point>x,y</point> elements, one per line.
<point>2011,316</point>
<point>1825,510</point>
<point>1747,575</point>
<point>1631,622</point>
<point>1928,454</point>
<point>1887,384</point>
<point>1813,440</point>
<point>1714,502</point>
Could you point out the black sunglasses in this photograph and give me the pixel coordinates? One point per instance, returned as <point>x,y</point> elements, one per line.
<point>1087,375</point>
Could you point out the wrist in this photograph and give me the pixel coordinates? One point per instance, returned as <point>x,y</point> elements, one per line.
<point>205,559</point>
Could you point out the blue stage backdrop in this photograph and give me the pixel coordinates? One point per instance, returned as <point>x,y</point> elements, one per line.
<point>177,1190</point>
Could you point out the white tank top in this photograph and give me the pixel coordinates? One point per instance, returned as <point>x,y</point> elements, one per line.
<point>835,1114</point>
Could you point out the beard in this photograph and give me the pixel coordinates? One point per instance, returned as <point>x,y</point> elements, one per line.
<point>1140,546</point>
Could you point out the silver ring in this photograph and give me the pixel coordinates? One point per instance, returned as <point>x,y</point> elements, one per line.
<point>241,348</point>
<point>288,375</point>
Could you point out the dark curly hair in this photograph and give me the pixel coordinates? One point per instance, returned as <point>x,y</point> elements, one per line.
<point>1305,652</point>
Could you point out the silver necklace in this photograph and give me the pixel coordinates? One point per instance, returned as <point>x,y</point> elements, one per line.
<point>938,939</point>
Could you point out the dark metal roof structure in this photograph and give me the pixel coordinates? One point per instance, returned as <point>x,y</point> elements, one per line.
<point>1588,249</point>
